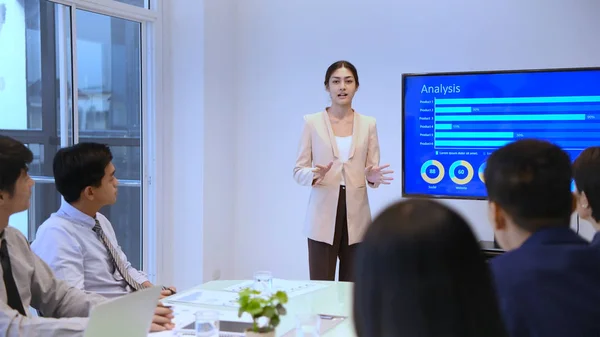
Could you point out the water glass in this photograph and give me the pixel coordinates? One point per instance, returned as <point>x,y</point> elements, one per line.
<point>308,325</point>
<point>263,281</point>
<point>207,323</point>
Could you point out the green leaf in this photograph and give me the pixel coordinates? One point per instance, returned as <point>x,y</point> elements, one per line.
<point>274,322</point>
<point>280,309</point>
<point>257,305</point>
<point>254,308</point>
<point>269,312</point>
<point>282,297</point>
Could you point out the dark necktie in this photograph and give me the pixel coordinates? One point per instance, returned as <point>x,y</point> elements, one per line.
<point>12,293</point>
<point>119,264</point>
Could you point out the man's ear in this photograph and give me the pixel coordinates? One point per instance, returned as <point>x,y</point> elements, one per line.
<point>88,193</point>
<point>498,216</point>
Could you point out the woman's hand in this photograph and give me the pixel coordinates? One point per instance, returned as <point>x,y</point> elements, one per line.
<point>377,174</point>
<point>320,171</point>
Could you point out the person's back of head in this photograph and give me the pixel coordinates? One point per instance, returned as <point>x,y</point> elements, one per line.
<point>15,183</point>
<point>586,171</point>
<point>82,170</point>
<point>420,272</point>
<point>529,188</point>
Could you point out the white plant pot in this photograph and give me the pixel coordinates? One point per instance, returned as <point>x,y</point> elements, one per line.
<point>260,334</point>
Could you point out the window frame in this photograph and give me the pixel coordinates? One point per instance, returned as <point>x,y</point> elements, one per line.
<point>151,73</point>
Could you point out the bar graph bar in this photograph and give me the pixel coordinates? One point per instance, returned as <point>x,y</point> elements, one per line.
<point>474,135</point>
<point>486,118</point>
<point>533,108</point>
<point>458,109</point>
<point>519,126</point>
<point>443,126</point>
<point>517,100</point>
<point>500,143</point>
<point>473,143</point>
<point>568,121</point>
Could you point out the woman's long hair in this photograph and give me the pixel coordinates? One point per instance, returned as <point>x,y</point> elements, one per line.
<point>420,273</point>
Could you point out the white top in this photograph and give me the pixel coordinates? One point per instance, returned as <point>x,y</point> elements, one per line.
<point>343,144</point>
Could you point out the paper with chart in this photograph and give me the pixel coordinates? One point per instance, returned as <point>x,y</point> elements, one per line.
<point>292,288</point>
<point>206,297</point>
<point>184,314</point>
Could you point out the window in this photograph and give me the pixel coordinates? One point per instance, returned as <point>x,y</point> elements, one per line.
<point>138,3</point>
<point>109,110</point>
<point>36,93</point>
<point>50,99</point>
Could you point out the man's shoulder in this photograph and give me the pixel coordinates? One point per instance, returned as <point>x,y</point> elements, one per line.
<point>12,233</point>
<point>56,231</point>
<point>17,241</point>
<point>509,265</point>
<point>55,224</point>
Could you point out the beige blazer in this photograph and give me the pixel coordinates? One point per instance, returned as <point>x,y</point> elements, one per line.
<point>318,146</point>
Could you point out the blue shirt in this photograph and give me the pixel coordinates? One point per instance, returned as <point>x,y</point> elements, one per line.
<point>67,243</point>
<point>550,286</point>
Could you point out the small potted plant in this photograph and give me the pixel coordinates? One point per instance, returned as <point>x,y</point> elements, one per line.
<point>265,311</point>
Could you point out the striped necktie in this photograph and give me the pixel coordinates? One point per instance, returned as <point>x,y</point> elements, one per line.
<point>119,264</point>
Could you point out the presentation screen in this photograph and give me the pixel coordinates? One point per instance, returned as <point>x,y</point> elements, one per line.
<point>453,121</point>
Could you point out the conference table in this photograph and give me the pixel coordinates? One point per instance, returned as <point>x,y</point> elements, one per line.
<point>324,298</point>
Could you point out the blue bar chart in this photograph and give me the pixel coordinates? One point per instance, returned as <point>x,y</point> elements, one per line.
<point>571,122</point>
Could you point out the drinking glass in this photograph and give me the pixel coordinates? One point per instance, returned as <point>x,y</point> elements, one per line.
<point>207,323</point>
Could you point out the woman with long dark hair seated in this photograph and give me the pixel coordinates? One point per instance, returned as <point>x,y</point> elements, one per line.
<point>420,273</point>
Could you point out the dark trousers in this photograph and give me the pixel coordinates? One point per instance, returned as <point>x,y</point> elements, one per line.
<point>322,257</point>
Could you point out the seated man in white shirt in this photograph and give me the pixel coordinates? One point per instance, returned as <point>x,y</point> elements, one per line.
<point>78,242</point>
<point>26,279</point>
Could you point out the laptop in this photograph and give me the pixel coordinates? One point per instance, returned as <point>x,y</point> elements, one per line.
<point>129,315</point>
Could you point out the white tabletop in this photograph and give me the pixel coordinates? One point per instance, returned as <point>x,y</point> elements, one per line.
<point>335,299</point>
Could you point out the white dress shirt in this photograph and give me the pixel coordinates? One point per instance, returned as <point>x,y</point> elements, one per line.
<point>344,144</point>
<point>67,243</point>
<point>39,289</point>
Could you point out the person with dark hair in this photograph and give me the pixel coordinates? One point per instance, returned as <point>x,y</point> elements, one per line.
<point>77,241</point>
<point>548,280</point>
<point>420,272</point>
<point>586,172</point>
<point>27,279</point>
<point>338,156</point>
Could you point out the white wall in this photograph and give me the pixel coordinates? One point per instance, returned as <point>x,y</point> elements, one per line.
<point>198,142</point>
<point>283,49</point>
<point>220,92</point>
<point>180,120</point>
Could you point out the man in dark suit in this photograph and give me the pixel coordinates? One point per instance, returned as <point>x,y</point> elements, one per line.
<point>548,281</point>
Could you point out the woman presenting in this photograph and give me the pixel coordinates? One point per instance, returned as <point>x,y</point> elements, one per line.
<point>338,156</point>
